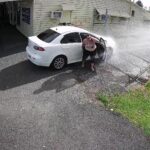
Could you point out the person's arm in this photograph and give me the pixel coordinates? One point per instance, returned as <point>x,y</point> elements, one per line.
<point>84,42</point>
<point>95,39</point>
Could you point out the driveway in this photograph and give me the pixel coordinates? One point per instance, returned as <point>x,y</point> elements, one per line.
<point>42,109</point>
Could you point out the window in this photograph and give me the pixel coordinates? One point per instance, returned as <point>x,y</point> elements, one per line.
<point>133,13</point>
<point>48,35</point>
<point>100,18</point>
<point>115,20</point>
<point>57,14</point>
<point>103,18</point>
<point>71,38</point>
<point>123,19</point>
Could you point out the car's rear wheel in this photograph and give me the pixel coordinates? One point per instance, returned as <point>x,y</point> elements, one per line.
<point>59,62</point>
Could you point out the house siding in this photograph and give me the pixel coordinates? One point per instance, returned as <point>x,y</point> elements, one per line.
<point>82,16</point>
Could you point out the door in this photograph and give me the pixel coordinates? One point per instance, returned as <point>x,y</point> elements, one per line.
<point>72,47</point>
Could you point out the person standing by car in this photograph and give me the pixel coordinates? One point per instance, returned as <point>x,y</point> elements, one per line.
<point>89,49</point>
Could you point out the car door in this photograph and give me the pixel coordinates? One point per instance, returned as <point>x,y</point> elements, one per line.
<point>72,47</point>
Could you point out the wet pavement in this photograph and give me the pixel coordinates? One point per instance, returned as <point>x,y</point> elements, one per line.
<point>43,109</point>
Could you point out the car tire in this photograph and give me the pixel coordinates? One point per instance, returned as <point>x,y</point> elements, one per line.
<point>59,62</point>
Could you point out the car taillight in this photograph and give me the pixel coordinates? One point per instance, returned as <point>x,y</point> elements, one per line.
<point>39,48</point>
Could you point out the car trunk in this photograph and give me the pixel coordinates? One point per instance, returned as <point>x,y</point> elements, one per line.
<point>34,41</point>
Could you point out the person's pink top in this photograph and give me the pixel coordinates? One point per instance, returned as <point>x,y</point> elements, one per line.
<point>89,43</point>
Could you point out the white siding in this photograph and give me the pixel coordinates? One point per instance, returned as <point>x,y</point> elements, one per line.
<point>82,16</point>
<point>121,6</point>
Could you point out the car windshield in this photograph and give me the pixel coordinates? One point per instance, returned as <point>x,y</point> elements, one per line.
<point>48,35</point>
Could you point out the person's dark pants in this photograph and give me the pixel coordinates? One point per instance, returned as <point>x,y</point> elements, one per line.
<point>88,53</point>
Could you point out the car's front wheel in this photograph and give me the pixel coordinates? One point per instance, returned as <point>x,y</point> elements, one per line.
<point>59,62</point>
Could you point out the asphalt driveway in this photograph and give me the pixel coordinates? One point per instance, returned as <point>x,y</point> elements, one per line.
<point>42,109</point>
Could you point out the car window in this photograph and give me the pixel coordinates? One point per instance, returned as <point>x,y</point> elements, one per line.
<point>71,38</point>
<point>48,35</point>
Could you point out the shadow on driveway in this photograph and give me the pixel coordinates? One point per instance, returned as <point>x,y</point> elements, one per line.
<point>11,41</point>
<point>25,72</point>
<point>65,80</point>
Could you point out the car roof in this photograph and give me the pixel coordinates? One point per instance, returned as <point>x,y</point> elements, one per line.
<point>64,29</point>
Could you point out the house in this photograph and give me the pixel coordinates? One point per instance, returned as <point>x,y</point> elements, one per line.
<point>33,16</point>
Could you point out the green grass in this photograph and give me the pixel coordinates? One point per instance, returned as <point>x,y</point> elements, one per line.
<point>103,98</point>
<point>134,105</point>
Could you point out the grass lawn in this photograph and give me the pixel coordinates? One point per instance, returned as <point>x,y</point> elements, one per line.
<point>134,105</point>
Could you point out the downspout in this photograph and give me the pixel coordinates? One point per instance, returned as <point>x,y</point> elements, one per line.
<point>106,22</point>
<point>33,30</point>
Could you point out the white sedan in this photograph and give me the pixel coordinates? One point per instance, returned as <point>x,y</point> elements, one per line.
<point>59,46</point>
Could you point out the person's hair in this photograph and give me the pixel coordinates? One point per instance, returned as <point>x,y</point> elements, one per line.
<point>85,36</point>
